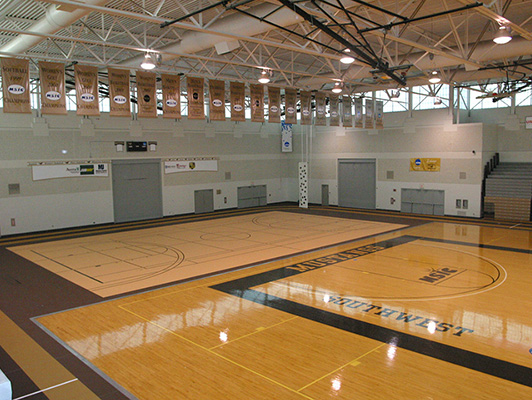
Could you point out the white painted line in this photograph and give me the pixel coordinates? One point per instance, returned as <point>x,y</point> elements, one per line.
<point>44,390</point>
<point>514,226</point>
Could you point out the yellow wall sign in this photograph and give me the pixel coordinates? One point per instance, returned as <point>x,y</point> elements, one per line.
<point>425,164</point>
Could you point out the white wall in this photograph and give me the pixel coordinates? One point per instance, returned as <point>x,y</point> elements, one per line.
<point>250,152</point>
<point>428,134</point>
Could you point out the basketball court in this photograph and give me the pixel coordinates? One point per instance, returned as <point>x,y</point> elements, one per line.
<point>327,308</point>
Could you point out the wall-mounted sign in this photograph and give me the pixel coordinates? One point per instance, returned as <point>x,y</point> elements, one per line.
<point>425,164</point>
<point>41,172</point>
<point>528,122</point>
<point>190,164</point>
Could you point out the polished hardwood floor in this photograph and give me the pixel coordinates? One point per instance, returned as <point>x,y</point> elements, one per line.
<point>436,310</point>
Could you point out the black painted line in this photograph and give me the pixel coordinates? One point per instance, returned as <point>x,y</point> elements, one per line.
<point>465,358</point>
<point>480,245</point>
<point>299,268</point>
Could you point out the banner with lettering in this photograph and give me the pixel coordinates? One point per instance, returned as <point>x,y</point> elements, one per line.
<point>238,96</point>
<point>286,137</point>
<point>216,100</point>
<point>379,111</point>
<point>119,96</point>
<point>369,114</point>
<point>196,99</point>
<point>41,172</point>
<point>146,97</point>
<point>359,122</point>
<point>347,113</point>
<point>425,164</point>
<point>306,107</point>
<point>256,93</point>
<point>87,98</point>
<point>171,85</point>
<point>321,117</point>
<point>190,164</point>
<point>290,111</point>
<point>52,77</point>
<point>16,85</point>
<point>274,104</point>
<point>333,109</point>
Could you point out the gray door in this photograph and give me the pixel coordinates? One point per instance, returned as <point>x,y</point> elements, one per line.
<point>137,190</point>
<point>324,195</point>
<point>203,201</point>
<point>357,183</point>
<point>252,196</point>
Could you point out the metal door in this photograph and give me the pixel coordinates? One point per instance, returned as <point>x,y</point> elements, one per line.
<point>357,183</point>
<point>203,201</point>
<point>137,190</point>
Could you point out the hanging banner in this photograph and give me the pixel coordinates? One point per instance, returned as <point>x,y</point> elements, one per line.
<point>286,137</point>
<point>256,93</point>
<point>171,85</point>
<point>196,99</point>
<point>87,99</point>
<point>146,97</point>
<point>379,111</point>
<point>52,76</point>
<point>274,104</point>
<point>41,172</point>
<point>119,95</point>
<point>290,111</point>
<point>347,113</point>
<point>333,108</point>
<point>359,122</point>
<point>238,97</point>
<point>216,100</point>
<point>321,117</point>
<point>369,114</point>
<point>425,164</point>
<point>188,165</point>
<point>306,107</point>
<point>16,85</point>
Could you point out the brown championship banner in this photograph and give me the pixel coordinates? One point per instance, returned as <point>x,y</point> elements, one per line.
<point>306,107</point>
<point>119,96</point>
<point>379,110</point>
<point>359,122</point>
<point>256,93</point>
<point>196,107</point>
<point>52,76</point>
<point>16,85</point>
<point>274,104</point>
<point>369,114</point>
<point>290,111</point>
<point>216,100</point>
<point>146,97</point>
<point>171,85</point>
<point>87,99</point>
<point>321,117</point>
<point>238,93</point>
<point>425,164</point>
<point>333,108</point>
<point>347,112</point>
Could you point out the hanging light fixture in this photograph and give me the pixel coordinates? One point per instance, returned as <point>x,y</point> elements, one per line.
<point>503,35</point>
<point>434,77</point>
<point>148,62</point>
<point>338,87</point>
<point>265,76</point>
<point>346,58</point>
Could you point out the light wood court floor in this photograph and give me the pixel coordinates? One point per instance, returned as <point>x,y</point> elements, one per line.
<point>437,311</point>
<point>116,263</point>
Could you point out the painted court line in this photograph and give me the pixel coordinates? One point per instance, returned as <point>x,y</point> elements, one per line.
<point>44,390</point>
